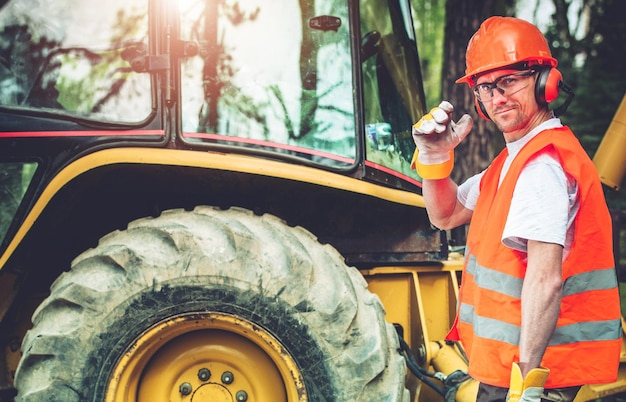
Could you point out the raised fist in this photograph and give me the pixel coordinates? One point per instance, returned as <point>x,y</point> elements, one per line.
<point>435,134</point>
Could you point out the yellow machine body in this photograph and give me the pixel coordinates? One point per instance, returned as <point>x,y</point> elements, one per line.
<point>610,159</point>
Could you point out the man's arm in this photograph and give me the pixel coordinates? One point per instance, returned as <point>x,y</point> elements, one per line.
<point>541,301</point>
<point>444,209</point>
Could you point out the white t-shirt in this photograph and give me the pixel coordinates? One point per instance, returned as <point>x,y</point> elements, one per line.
<point>544,202</point>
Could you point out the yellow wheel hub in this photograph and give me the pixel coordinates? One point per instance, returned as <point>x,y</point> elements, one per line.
<point>204,357</point>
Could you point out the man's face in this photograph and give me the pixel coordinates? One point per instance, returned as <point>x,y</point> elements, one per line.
<point>513,110</point>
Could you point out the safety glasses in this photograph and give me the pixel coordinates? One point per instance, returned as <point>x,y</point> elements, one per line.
<point>507,85</point>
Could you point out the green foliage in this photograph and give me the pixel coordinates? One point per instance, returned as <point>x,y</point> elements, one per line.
<point>593,64</point>
<point>86,78</point>
<point>81,79</point>
<point>429,22</point>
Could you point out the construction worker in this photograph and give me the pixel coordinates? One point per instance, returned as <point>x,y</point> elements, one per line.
<point>539,312</point>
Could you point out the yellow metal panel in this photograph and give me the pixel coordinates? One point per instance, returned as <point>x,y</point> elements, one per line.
<point>397,294</point>
<point>609,158</point>
<point>208,160</point>
<point>420,299</point>
<point>437,297</point>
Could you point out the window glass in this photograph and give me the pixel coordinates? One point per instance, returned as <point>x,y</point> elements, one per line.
<point>15,177</point>
<point>74,57</point>
<point>270,74</point>
<point>393,96</point>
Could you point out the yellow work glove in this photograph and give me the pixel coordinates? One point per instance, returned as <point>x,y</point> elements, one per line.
<point>435,136</point>
<point>527,389</point>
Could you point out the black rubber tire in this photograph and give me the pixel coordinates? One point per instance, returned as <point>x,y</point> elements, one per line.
<point>229,261</point>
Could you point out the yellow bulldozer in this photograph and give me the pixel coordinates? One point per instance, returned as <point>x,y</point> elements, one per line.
<point>212,200</point>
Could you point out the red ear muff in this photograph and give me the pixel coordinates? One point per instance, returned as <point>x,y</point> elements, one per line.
<point>480,109</point>
<point>547,86</point>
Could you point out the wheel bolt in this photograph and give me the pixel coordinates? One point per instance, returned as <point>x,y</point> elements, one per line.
<point>241,396</point>
<point>204,374</point>
<point>227,377</point>
<point>185,388</point>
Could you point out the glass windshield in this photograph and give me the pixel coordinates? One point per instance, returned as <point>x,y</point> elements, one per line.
<point>393,95</point>
<point>51,59</point>
<point>272,74</point>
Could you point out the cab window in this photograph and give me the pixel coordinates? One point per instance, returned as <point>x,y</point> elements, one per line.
<point>52,61</point>
<point>270,74</point>
<point>393,95</point>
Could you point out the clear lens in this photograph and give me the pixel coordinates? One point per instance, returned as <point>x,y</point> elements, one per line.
<point>506,85</point>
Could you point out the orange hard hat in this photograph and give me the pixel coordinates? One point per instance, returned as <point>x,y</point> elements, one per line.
<point>502,42</point>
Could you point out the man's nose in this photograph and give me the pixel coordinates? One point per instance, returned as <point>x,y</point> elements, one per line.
<point>498,95</point>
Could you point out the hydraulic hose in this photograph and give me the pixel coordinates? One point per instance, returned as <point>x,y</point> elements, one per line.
<point>421,373</point>
<point>451,382</point>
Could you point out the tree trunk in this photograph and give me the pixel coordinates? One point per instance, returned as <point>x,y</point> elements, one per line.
<point>212,84</point>
<point>308,72</point>
<point>463,19</point>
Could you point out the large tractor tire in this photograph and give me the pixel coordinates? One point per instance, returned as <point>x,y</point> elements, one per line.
<point>210,305</point>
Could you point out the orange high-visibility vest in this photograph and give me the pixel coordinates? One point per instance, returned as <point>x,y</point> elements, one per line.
<point>585,346</point>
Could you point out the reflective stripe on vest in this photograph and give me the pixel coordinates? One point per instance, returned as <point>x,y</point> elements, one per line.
<point>512,286</point>
<point>489,328</point>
